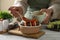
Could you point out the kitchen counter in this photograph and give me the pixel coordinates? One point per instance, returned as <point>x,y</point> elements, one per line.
<point>49,35</point>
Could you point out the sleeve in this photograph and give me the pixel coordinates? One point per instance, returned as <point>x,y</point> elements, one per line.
<point>56,8</point>
<point>21,3</point>
<point>54,3</point>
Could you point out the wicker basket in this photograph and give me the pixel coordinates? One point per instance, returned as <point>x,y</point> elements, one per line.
<point>30,29</point>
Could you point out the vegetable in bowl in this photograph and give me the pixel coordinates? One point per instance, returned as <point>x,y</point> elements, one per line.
<point>5,19</point>
<point>6,15</point>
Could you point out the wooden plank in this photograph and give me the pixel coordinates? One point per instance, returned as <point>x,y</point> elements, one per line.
<point>17,32</point>
<point>4,31</point>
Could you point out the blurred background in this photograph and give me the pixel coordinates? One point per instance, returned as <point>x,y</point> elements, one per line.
<point>5,4</point>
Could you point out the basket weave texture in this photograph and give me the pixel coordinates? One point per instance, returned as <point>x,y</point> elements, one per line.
<point>30,29</point>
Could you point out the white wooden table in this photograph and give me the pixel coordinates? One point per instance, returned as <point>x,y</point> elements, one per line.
<point>49,35</point>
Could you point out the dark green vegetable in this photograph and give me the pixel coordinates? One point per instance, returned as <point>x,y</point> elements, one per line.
<point>5,15</point>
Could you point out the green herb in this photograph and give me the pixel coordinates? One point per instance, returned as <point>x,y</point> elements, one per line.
<point>5,15</point>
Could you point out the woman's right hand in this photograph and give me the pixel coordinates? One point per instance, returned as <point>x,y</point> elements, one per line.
<point>15,9</point>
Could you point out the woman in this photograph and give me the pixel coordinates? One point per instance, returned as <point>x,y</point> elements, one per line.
<point>25,7</point>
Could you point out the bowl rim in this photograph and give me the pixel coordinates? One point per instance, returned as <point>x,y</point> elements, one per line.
<point>30,26</point>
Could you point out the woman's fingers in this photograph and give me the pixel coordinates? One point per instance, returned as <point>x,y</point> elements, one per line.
<point>47,15</point>
<point>14,11</point>
<point>43,10</point>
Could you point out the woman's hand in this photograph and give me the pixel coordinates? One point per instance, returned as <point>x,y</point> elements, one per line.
<point>48,15</point>
<point>15,9</point>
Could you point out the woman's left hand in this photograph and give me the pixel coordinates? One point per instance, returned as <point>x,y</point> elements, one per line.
<point>48,15</point>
